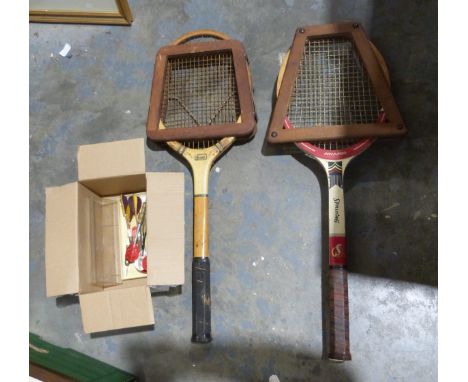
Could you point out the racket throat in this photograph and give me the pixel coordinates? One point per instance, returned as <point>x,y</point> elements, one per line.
<point>201,175</point>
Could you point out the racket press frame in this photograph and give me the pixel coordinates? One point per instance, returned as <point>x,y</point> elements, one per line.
<point>244,128</point>
<point>394,125</point>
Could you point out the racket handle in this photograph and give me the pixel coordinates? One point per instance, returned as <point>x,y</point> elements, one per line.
<point>339,314</point>
<point>201,300</point>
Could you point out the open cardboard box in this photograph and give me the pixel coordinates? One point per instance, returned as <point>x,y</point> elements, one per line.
<point>72,265</point>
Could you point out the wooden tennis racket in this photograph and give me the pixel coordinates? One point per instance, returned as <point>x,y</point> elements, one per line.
<point>333,88</point>
<point>200,90</point>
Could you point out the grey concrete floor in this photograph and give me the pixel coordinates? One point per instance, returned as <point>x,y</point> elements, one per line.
<point>267,318</point>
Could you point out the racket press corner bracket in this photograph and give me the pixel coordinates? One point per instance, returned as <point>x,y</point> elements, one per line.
<point>374,65</point>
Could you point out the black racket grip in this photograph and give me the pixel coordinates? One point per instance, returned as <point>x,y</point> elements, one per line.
<point>339,314</point>
<point>201,301</point>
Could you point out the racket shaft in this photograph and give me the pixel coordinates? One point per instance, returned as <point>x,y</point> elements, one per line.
<point>200,226</point>
<point>337,275</point>
<point>201,296</point>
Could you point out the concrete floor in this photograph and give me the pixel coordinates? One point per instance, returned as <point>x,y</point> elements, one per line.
<point>267,314</point>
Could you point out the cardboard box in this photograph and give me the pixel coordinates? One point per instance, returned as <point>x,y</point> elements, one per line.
<point>110,169</point>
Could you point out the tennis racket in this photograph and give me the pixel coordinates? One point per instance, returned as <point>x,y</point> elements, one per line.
<point>333,88</point>
<point>200,90</point>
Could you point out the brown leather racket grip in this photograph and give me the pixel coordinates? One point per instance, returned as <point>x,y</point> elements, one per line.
<point>201,300</point>
<point>339,314</point>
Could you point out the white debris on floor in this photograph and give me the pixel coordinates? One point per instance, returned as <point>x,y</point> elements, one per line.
<point>65,50</point>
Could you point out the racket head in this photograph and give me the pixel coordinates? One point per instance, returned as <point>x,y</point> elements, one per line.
<point>339,61</point>
<point>201,91</point>
<point>326,65</point>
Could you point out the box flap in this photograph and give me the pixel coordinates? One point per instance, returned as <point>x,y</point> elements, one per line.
<point>128,184</point>
<point>61,240</point>
<point>114,309</point>
<point>86,260</point>
<point>111,159</point>
<point>165,236</point>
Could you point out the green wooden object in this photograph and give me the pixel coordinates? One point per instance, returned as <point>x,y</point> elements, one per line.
<point>73,364</point>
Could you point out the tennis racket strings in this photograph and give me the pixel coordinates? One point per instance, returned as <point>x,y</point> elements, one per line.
<point>200,90</point>
<point>332,88</point>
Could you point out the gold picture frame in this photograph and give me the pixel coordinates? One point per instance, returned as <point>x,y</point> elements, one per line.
<point>114,12</point>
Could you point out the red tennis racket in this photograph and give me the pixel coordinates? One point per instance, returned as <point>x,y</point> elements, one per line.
<point>333,88</point>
